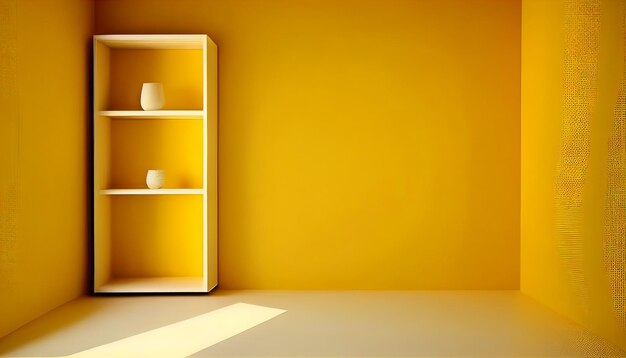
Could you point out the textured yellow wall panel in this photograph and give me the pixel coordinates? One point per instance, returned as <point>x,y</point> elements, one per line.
<point>9,174</point>
<point>362,144</point>
<point>571,236</point>
<point>614,245</point>
<point>44,78</point>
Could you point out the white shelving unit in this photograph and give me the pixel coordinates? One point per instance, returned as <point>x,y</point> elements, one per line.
<point>137,248</point>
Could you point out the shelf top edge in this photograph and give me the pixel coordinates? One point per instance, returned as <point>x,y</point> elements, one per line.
<point>154,41</point>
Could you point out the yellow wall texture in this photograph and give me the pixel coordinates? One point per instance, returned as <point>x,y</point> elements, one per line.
<point>44,98</point>
<point>574,161</point>
<point>363,144</point>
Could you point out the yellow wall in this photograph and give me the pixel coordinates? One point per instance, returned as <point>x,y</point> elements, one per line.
<point>44,98</point>
<point>363,144</point>
<point>574,160</point>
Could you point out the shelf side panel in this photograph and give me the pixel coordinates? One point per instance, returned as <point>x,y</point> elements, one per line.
<point>101,150</point>
<point>212,160</point>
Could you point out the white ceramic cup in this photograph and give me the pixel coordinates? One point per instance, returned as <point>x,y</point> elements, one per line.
<point>152,96</point>
<point>155,178</point>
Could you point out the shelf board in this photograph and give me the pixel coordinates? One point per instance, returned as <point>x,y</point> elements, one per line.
<point>153,41</point>
<point>152,192</point>
<point>187,114</point>
<point>153,284</point>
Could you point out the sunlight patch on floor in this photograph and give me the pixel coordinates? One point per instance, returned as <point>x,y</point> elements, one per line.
<point>184,338</point>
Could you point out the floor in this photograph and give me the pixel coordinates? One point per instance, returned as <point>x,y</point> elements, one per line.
<point>326,324</point>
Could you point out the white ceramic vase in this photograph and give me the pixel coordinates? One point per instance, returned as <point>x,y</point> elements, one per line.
<point>155,179</point>
<point>152,96</point>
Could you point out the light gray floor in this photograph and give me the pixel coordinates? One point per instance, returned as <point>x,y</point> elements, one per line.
<point>327,324</point>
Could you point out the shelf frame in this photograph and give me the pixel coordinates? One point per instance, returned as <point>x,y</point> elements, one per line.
<point>103,280</point>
